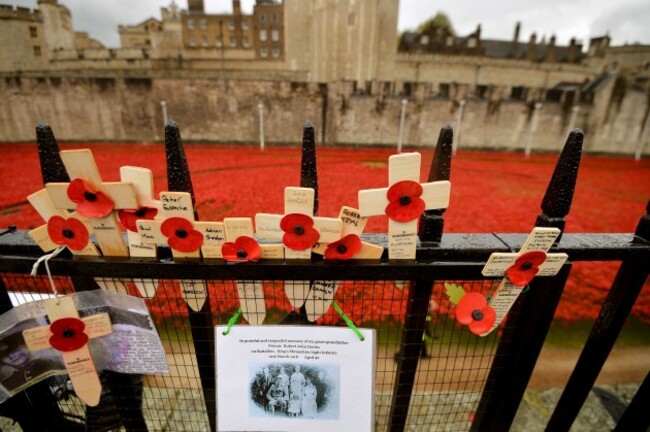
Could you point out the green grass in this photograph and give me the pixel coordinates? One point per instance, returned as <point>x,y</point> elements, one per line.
<point>574,335</point>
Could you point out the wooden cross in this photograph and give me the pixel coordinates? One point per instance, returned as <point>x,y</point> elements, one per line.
<point>80,164</point>
<point>44,206</point>
<point>179,205</point>
<point>322,293</point>
<point>398,202</point>
<point>251,293</point>
<point>79,361</point>
<point>540,239</point>
<point>297,201</point>
<point>142,180</point>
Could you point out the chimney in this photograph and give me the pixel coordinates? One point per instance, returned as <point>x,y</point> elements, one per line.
<point>195,6</point>
<point>531,51</point>
<point>515,41</point>
<point>571,52</point>
<point>551,55</point>
<point>236,8</point>
<point>478,33</point>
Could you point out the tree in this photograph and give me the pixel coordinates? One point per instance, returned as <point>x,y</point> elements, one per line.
<point>440,20</point>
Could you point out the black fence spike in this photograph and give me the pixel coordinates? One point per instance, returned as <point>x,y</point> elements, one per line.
<point>432,222</point>
<point>178,172</point>
<point>643,228</point>
<point>559,193</point>
<point>52,168</point>
<point>308,170</point>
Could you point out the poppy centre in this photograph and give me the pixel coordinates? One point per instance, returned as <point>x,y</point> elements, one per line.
<point>241,253</point>
<point>89,196</point>
<point>181,233</point>
<point>68,333</point>
<point>341,249</point>
<point>405,200</point>
<point>67,233</point>
<point>298,230</point>
<point>527,265</point>
<point>477,315</point>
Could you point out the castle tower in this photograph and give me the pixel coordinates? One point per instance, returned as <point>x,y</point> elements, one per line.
<point>57,25</point>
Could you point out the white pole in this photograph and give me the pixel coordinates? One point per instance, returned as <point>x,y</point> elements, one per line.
<point>643,140</point>
<point>400,136</point>
<point>260,109</point>
<point>459,122</point>
<point>533,127</point>
<point>163,106</point>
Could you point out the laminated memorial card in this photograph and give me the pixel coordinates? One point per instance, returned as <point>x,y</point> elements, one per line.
<point>290,378</point>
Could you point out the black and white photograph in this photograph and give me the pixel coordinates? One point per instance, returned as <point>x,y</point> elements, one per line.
<point>294,391</point>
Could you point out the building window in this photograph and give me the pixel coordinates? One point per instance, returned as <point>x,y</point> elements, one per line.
<point>262,35</point>
<point>37,51</point>
<point>274,17</point>
<point>233,41</point>
<point>276,52</point>
<point>275,35</point>
<point>264,52</point>
<point>231,24</point>
<point>192,41</point>
<point>202,24</point>
<point>262,17</point>
<point>351,18</point>
<point>147,42</point>
<point>424,40</point>
<point>190,24</point>
<point>471,42</point>
<point>219,41</point>
<point>204,41</point>
<point>245,42</point>
<point>32,31</point>
<point>244,25</point>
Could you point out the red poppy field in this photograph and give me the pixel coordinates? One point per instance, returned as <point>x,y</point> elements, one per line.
<point>491,192</point>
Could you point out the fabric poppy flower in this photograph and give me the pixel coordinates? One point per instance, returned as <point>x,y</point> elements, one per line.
<point>299,232</point>
<point>343,249</point>
<point>128,218</point>
<point>404,199</point>
<point>243,249</point>
<point>90,203</point>
<point>69,232</point>
<point>473,311</point>
<point>68,334</point>
<point>526,267</point>
<point>180,234</point>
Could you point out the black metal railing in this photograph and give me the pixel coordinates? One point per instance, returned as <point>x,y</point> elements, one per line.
<point>463,375</point>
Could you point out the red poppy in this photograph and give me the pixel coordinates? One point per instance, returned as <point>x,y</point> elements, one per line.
<point>90,203</point>
<point>180,234</point>
<point>404,199</point>
<point>129,217</point>
<point>243,249</point>
<point>473,310</point>
<point>68,334</point>
<point>344,248</point>
<point>526,267</point>
<point>299,232</point>
<point>69,232</point>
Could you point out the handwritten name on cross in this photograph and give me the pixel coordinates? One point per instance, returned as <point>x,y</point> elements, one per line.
<point>532,260</point>
<point>403,202</point>
<point>251,293</point>
<point>75,352</point>
<point>322,293</point>
<point>142,180</point>
<point>297,201</point>
<point>187,238</point>
<point>44,206</point>
<point>80,164</point>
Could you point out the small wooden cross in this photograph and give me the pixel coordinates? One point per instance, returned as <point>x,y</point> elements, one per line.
<point>44,206</point>
<point>499,263</point>
<point>78,360</point>
<point>80,164</point>
<point>297,201</point>
<point>403,202</point>
<point>178,206</point>
<point>142,180</point>
<point>322,293</point>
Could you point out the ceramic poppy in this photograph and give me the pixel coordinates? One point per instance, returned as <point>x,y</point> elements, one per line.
<point>243,249</point>
<point>299,232</point>
<point>68,334</point>
<point>344,249</point>
<point>69,232</point>
<point>526,267</point>
<point>90,203</point>
<point>404,199</point>
<point>181,236</point>
<point>473,311</point>
<point>128,218</point>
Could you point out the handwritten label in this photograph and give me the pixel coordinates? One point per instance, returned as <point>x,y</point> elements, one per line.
<point>299,200</point>
<point>320,298</point>
<point>540,239</point>
<point>402,240</point>
<point>504,297</point>
<point>553,264</point>
<point>498,263</point>
<point>251,299</point>
<point>177,204</point>
<point>237,227</point>
<point>194,292</point>
<point>352,221</point>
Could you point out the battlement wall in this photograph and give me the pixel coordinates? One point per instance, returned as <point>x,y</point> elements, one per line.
<point>20,13</point>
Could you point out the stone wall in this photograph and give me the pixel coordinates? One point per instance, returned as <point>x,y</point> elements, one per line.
<point>225,110</point>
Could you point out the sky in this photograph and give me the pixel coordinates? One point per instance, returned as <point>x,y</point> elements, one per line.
<point>626,21</point>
